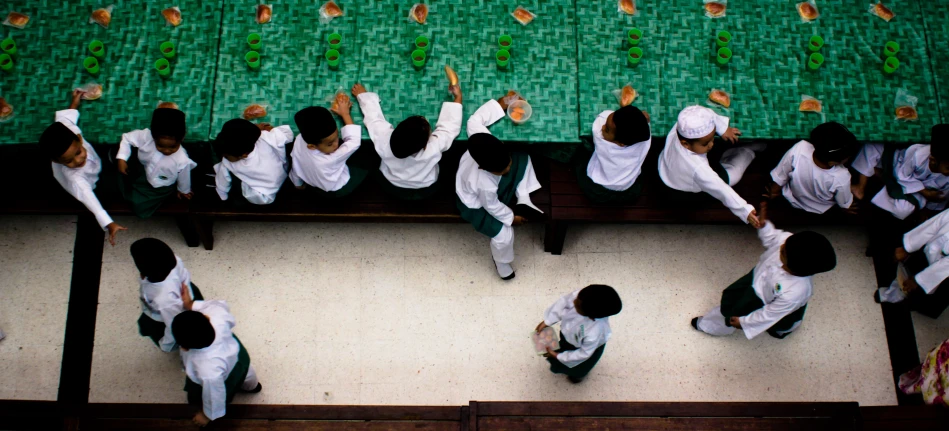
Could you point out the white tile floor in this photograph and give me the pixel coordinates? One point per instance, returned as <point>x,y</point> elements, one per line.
<point>414,314</point>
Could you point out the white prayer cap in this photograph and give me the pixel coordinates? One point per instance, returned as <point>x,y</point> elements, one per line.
<point>695,122</point>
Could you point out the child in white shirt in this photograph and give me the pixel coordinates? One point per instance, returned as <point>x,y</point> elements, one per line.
<point>411,151</point>
<point>162,277</point>
<point>812,175</point>
<point>76,166</point>
<point>621,141</point>
<point>925,254</point>
<point>164,161</point>
<point>321,151</point>
<point>256,155</point>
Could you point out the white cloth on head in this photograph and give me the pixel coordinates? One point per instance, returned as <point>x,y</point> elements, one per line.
<point>80,182</point>
<point>419,170</point>
<point>808,187</point>
<point>160,170</point>
<point>911,170</point>
<point>161,301</point>
<point>698,121</point>
<point>210,366</point>
<point>581,331</point>
<point>327,172</point>
<point>262,172</point>
<point>613,166</point>
<point>932,237</point>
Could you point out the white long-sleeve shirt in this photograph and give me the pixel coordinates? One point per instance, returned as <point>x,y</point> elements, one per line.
<point>581,331</point>
<point>327,172</point>
<point>160,170</point>
<point>684,170</point>
<point>419,170</point>
<point>210,366</point>
<point>161,301</point>
<point>476,187</point>
<point>613,166</point>
<point>781,292</point>
<point>80,182</point>
<point>809,187</point>
<point>264,169</point>
<point>932,237</point>
<point>911,169</point>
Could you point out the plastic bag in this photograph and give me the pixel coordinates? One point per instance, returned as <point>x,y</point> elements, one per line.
<point>6,110</point>
<point>626,95</point>
<point>16,19</point>
<point>418,13</point>
<point>544,339</point>
<point>102,16</point>
<point>511,97</point>
<point>172,15</point>
<point>340,96</point>
<point>628,7</point>
<point>882,11</point>
<point>808,11</point>
<point>523,16</point>
<point>254,111</point>
<point>906,105</point>
<point>720,97</point>
<point>165,104</point>
<point>264,13</point>
<point>715,8</point>
<point>91,91</point>
<point>328,11</point>
<point>810,104</point>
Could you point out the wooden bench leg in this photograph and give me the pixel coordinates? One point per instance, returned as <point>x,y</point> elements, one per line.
<point>554,236</point>
<point>188,230</point>
<point>205,229</point>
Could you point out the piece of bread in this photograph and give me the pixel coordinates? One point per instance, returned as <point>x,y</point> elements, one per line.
<point>420,13</point>
<point>92,92</point>
<point>452,76</point>
<point>5,109</point>
<point>254,111</point>
<point>17,19</point>
<point>332,9</point>
<point>340,97</point>
<point>264,13</point>
<point>628,6</point>
<point>102,17</point>
<point>883,11</point>
<point>172,15</point>
<point>810,105</point>
<point>169,105</point>
<point>627,96</point>
<point>523,15</point>
<point>906,113</point>
<point>807,11</point>
<point>720,97</point>
<point>517,113</point>
<point>715,8</point>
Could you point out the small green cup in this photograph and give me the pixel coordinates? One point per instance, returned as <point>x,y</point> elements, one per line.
<point>418,58</point>
<point>332,58</point>
<point>634,55</point>
<point>503,57</point>
<point>91,65</point>
<point>724,55</point>
<point>815,61</point>
<point>252,58</point>
<point>6,62</point>
<point>163,67</point>
<point>633,36</point>
<point>815,44</point>
<point>168,49</point>
<point>97,49</point>
<point>8,46</point>
<point>723,38</point>
<point>254,40</point>
<point>422,43</point>
<point>891,48</point>
<point>335,40</point>
<point>891,64</point>
<point>505,42</point>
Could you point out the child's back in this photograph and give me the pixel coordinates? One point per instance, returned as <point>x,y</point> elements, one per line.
<point>263,169</point>
<point>809,187</point>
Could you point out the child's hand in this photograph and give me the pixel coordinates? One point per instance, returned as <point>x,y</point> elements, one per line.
<point>122,166</point>
<point>114,228</point>
<point>518,220</point>
<point>455,90</point>
<point>358,89</point>
<point>200,419</point>
<point>344,107</point>
<point>541,326</point>
<point>186,299</point>
<point>857,191</point>
<point>185,196</point>
<point>550,353</point>
<point>508,99</point>
<point>731,135</point>
<point>854,208</point>
<point>76,98</point>
<point>753,220</point>
<point>265,127</point>
<point>772,190</point>
<point>900,254</point>
<point>303,187</point>
<point>734,322</point>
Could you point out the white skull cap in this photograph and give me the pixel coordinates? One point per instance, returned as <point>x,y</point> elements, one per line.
<point>695,122</point>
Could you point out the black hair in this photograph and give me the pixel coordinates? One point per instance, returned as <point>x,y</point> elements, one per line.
<point>599,300</point>
<point>168,122</point>
<point>409,137</point>
<point>154,259</point>
<point>809,253</point>
<point>237,137</point>
<point>488,152</point>
<point>315,123</point>
<point>833,142</point>
<point>939,143</point>
<point>192,330</point>
<point>56,139</point>
<point>631,125</point>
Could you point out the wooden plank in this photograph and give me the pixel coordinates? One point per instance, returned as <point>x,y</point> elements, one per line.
<point>666,409</point>
<point>656,424</point>
<point>265,425</point>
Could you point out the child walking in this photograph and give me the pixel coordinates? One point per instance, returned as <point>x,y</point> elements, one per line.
<point>161,277</point>
<point>256,154</point>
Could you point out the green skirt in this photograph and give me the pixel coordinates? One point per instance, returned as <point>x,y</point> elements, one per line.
<point>597,193</point>
<point>582,369</point>
<point>151,328</point>
<point>483,221</point>
<point>232,384</point>
<point>356,177</point>
<point>145,198</point>
<point>740,299</point>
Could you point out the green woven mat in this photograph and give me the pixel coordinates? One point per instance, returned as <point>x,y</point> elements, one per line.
<point>934,17</point>
<point>294,73</point>
<point>54,43</point>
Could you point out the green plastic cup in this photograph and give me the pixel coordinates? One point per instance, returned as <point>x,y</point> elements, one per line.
<point>168,49</point>
<point>91,65</point>
<point>815,44</point>
<point>418,58</point>
<point>633,36</point>
<point>422,43</point>
<point>335,40</point>
<point>891,64</point>
<point>8,46</point>
<point>6,62</point>
<point>503,57</point>
<point>723,38</point>
<point>815,61</point>
<point>97,49</point>
<point>634,55</point>
<point>254,40</point>
<point>891,48</point>
<point>505,42</point>
<point>724,55</point>
<point>252,58</point>
<point>163,67</point>
<point>332,58</point>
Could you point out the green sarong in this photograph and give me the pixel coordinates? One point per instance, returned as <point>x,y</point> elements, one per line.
<point>597,193</point>
<point>232,384</point>
<point>582,369</point>
<point>135,188</point>
<point>405,194</point>
<point>893,187</point>
<point>148,327</point>
<point>740,299</point>
<point>483,221</point>
<point>356,177</point>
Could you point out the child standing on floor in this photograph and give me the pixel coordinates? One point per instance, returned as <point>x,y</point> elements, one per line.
<point>621,141</point>
<point>256,154</point>
<point>411,151</point>
<point>216,364</point>
<point>320,160</point>
<point>684,165</point>
<point>76,166</point>
<point>926,270</point>
<point>812,176</point>
<point>163,162</point>
<point>489,178</point>
<point>773,296</point>
<point>915,177</point>
<point>584,329</point>
<point>162,277</point>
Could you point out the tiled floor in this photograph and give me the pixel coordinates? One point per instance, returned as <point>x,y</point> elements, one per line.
<point>36,255</point>
<point>414,314</point>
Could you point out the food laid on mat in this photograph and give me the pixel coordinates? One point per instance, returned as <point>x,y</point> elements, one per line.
<point>808,11</point>
<point>523,16</point>
<point>254,111</point>
<point>627,95</point>
<point>452,76</point>
<point>340,98</point>
<point>328,11</point>
<point>91,91</point>
<point>172,15</point>
<point>264,13</point>
<point>6,110</point>
<point>102,16</point>
<point>16,19</point>
<point>906,113</point>
<point>810,104</point>
<point>169,105</point>
<point>720,97</point>
<point>714,9</point>
<point>882,11</point>
<point>627,6</point>
<point>418,13</point>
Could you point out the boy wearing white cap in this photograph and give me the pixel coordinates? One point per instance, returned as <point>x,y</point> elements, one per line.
<point>684,163</point>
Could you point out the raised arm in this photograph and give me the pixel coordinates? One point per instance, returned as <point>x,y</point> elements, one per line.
<point>486,115</point>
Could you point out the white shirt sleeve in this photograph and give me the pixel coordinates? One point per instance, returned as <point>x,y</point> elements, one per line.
<point>843,196</point>
<point>350,139</point>
<point>781,174</point>
<point>129,140</point>
<point>771,236</point>
<point>82,190</point>
<point>712,184</point>
<point>493,205</point>
<point>721,124</point>
<point>222,181</point>
<point>765,317</point>
<point>584,351</point>
<point>278,138</point>
<point>914,167</point>
<point>448,126</point>
<point>486,115</point>
<point>375,122</point>
<point>934,274</point>
<point>915,239</point>
<point>184,177</point>
<point>556,311</point>
<point>70,119</point>
<point>296,180</point>
<point>214,397</point>
<point>167,342</point>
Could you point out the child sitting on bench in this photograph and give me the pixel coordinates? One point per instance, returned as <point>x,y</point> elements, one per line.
<point>256,154</point>
<point>322,153</point>
<point>621,141</point>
